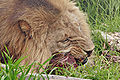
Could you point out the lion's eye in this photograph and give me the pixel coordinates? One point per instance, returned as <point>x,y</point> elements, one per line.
<point>66,40</point>
<point>63,43</point>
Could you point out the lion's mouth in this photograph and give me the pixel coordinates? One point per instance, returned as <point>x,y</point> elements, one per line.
<point>70,57</point>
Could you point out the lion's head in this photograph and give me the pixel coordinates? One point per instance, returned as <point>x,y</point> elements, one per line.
<point>41,28</point>
<point>70,37</point>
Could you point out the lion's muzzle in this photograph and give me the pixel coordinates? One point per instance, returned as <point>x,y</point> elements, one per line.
<point>72,56</point>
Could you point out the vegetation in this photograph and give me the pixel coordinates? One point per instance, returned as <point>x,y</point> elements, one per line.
<point>14,71</point>
<point>103,15</point>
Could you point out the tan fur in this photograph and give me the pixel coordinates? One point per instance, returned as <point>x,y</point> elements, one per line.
<point>38,28</point>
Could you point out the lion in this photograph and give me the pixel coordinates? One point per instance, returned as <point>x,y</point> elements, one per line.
<point>40,28</point>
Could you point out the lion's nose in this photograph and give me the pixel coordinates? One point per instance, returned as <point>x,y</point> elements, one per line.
<point>89,52</point>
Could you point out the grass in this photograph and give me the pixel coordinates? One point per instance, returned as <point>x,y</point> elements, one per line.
<point>103,15</point>
<point>13,68</point>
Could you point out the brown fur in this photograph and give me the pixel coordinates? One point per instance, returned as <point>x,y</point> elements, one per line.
<point>38,28</point>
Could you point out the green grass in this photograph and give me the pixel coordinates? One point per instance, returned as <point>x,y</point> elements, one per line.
<point>13,68</point>
<point>103,15</point>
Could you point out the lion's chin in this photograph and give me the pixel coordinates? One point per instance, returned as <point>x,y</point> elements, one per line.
<point>66,59</point>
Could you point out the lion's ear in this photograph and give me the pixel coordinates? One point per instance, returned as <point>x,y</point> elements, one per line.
<point>24,27</point>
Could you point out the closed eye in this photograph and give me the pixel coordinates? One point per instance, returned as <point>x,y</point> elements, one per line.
<point>66,40</point>
<point>63,41</point>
